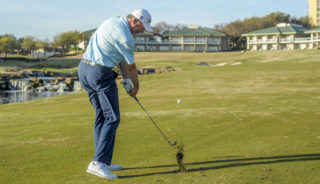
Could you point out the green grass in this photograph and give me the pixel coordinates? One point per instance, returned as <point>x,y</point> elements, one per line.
<point>257,122</point>
<point>62,66</point>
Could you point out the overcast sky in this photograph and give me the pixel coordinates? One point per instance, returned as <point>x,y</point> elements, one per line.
<point>46,18</point>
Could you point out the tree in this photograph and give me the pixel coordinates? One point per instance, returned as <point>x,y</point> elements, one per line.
<point>7,44</point>
<point>304,21</point>
<point>65,40</point>
<point>74,40</point>
<point>162,27</point>
<point>42,44</point>
<point>219,27</point>
<point>84,37</point>
<point>178,27</point>
<point>60,41</point>
<point>29,44</point>
<point>19,47</point>
<point>236,28</point>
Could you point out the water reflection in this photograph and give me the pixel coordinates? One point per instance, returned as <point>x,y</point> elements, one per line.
<point>21,96</point>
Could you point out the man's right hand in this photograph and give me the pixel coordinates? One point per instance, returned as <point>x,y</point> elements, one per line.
<point>134,92</point>
<point>127,85</point>
<point>129,71</point>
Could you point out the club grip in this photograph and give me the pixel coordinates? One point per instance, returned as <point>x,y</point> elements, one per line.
<point>136,99</point>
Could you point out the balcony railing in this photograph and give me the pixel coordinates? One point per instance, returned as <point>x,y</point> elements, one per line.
<point>156,42</point>
<point>198,42</point>
<point>188,41</point>
<point>285,40</point>
<point>175,42</point>
<point>214,42</point>
<point>262,41</point>
<point>302,40</point>
<point>201,42</point>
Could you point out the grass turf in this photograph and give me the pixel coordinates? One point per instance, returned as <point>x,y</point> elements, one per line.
<point>257,122</point>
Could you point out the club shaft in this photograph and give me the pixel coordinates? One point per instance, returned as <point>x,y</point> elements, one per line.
<point>153,121</point>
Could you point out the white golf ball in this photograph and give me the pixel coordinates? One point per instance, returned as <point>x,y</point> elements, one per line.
<point>179,101</point>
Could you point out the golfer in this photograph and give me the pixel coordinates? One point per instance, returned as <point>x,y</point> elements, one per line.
<point>111,45</point>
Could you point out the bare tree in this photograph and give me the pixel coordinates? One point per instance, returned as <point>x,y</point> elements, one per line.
<point>162,27</point>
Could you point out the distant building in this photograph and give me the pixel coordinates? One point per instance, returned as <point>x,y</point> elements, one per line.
<point>83,44</point>
<point>314,12</point>
<point>314,37</point>
<point>39,53</point>
<point>189,39</point>
<point>283,36</point>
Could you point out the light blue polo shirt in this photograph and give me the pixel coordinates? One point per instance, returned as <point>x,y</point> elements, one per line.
<point>111,43</point>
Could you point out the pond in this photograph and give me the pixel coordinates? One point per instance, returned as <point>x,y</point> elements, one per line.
<point>21,96</point>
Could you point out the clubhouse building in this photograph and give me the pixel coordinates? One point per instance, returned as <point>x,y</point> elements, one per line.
<point>189,39</point>
<point>283,36</point>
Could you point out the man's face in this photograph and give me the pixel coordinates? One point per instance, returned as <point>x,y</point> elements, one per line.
<point>137,26</point>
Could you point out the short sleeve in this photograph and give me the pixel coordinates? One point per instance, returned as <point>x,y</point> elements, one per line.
<point>126,49</point>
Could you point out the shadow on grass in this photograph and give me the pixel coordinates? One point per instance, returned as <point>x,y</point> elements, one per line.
<point>229,163</point>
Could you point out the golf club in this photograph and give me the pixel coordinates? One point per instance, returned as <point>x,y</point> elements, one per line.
<point>171,144</point>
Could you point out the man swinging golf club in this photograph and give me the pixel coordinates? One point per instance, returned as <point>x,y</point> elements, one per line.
<point>111,45</point>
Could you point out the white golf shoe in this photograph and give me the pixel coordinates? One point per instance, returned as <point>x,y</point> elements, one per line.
<point>99,169</point>
<point>113,167</point>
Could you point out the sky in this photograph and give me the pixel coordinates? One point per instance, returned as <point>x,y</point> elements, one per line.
<point>44,19</point>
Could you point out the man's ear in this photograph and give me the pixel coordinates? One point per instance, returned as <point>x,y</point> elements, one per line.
<point>132,22</point>
<point>135,21</point>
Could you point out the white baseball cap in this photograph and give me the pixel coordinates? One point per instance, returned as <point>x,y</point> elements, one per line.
<point>144,16</point>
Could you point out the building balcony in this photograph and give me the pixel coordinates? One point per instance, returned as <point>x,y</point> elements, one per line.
<point>188,42</point>
<point>285,40</point>
<point>316,39</point>
<point>214,42</point>
<point>195,42</point>
<point>201,42</point>
<point>171,42</point>
<point>261,41</point>
<point>156,42</point>
<point>303,40</point>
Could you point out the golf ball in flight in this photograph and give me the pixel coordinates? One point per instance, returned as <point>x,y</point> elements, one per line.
<point>179,101</point>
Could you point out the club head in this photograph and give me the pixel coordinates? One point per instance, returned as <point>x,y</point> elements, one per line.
<point>174,143</point>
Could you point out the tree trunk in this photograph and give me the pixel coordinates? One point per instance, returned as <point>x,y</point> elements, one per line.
<point>75,49</point>
<point>63,51</point>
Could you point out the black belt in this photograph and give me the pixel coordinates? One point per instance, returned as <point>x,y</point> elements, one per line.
<point>88,62</point>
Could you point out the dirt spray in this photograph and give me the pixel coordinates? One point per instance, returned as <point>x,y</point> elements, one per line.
<point>179,156</point>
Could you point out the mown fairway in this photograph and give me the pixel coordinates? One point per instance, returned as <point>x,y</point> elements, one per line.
<point>257,122</point>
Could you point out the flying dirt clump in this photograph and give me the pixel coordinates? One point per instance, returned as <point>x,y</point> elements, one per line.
<point>179,156</point>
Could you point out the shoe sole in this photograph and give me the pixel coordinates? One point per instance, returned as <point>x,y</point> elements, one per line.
<point>108,167</point>
<point>97,174</point>
<point>114,169</point>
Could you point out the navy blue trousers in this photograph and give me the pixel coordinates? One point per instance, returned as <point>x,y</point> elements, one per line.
<point>102,90</point>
